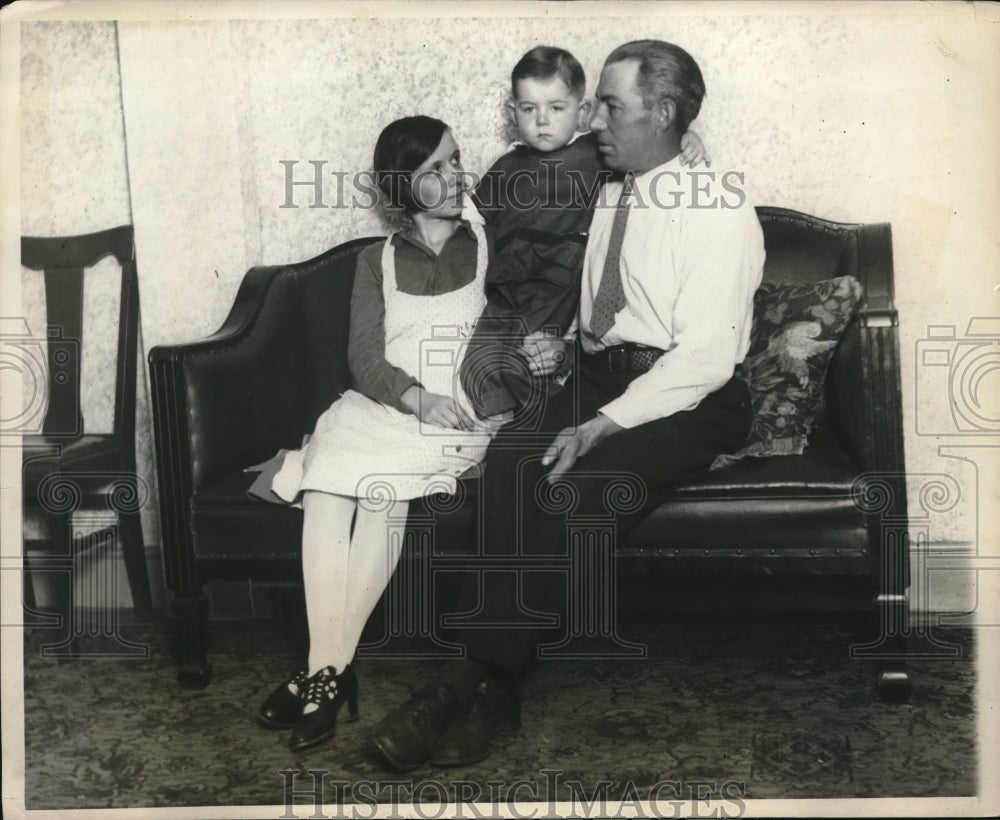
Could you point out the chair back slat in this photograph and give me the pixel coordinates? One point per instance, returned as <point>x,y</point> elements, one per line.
<point>64,335</point>
<point>65,261</point>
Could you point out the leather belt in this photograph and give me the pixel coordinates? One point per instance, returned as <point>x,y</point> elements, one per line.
<point>624,358</point>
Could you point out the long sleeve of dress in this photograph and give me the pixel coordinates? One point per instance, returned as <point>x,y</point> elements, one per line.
<point>372,374</point>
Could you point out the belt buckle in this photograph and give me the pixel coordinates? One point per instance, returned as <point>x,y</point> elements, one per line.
<point>617,359</point>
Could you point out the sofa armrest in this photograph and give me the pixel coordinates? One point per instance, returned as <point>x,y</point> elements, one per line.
<point>864,392</point>
<point>254,386</point>
<point>223,402</point>
<point>214,410</point>
<point>879,329</point>
<point>864,404</point>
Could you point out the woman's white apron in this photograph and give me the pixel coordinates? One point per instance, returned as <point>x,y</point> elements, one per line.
<point>365,449</point>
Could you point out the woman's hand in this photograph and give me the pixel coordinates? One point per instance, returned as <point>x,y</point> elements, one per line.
<point>545,354</point>
<point>693,151</point>
<point>434,408</point>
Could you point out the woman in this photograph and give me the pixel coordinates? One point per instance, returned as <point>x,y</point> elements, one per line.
<point>403,432</point>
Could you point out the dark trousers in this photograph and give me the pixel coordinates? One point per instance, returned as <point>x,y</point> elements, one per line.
<point>525,518</point>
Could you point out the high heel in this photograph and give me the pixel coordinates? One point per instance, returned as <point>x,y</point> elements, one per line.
<point>283,708</point>
<point>329,691</point>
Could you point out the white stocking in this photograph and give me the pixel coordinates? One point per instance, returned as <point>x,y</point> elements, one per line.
<point>374,555</point>
<point>344,574</point>
<point>326,542</point>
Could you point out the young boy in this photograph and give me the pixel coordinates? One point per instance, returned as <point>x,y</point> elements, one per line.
<point>537,200</point>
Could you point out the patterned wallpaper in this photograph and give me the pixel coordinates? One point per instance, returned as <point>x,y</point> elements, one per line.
<point>73,177</point>
<point>862,117</point>
<point>73,181</point>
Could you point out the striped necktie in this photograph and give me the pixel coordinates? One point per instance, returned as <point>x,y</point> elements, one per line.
<point>610,294</point>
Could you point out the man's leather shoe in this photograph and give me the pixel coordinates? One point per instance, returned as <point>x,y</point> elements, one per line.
<point>407,735</point>
<point>492,708</point>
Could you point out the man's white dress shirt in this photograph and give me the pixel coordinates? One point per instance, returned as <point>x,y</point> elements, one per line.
<point>692,258</point>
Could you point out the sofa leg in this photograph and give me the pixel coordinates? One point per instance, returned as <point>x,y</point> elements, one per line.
<point>193,669</point>
<point>894,684</point>
<point>890,649</point>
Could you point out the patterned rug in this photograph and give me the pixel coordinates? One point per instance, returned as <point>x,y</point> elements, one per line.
<point>762,708</point>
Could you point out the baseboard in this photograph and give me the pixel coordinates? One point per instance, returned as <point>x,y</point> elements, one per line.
<point>98,585</point>
<point>936,590</point>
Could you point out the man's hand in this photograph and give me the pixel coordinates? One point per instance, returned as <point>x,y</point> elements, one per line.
<point>434,408</point>
<point>545,354</point>
<point>570,444</point>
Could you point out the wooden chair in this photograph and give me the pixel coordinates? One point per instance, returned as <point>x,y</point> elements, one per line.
<point>65,468</point>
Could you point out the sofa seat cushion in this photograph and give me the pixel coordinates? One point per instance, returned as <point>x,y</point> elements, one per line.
<point>780,505</point>
<point>819,470</point>
<point>229,524</point>
<point>776,506</point>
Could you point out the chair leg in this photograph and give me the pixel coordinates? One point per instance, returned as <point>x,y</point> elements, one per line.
<point>193,669</point>
<point>32,616</point>
<point>60,549</point>
<point>134,552</point>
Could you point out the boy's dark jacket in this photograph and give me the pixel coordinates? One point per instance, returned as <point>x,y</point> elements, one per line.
<point>538,209</point>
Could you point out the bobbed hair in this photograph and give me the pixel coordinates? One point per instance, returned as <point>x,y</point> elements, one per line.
<point>401,148</point>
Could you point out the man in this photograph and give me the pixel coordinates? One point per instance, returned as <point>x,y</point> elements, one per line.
<point>671,266</point>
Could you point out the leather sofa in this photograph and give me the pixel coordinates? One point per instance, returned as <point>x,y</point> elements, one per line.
<point>834,515</point>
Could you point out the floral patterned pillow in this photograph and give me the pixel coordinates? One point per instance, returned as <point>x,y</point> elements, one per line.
<point>796,328</point>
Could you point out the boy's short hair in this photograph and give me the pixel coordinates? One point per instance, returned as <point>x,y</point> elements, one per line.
<point>545,62</point>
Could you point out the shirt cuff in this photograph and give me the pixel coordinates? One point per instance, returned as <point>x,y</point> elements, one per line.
<point>401,382</point>
<point>627,411</point>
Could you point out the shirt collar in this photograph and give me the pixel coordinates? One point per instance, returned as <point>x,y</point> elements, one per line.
<point>522,144</point>
<point>671,165</point>
<point>665,178</point>
<point>408,236</point>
